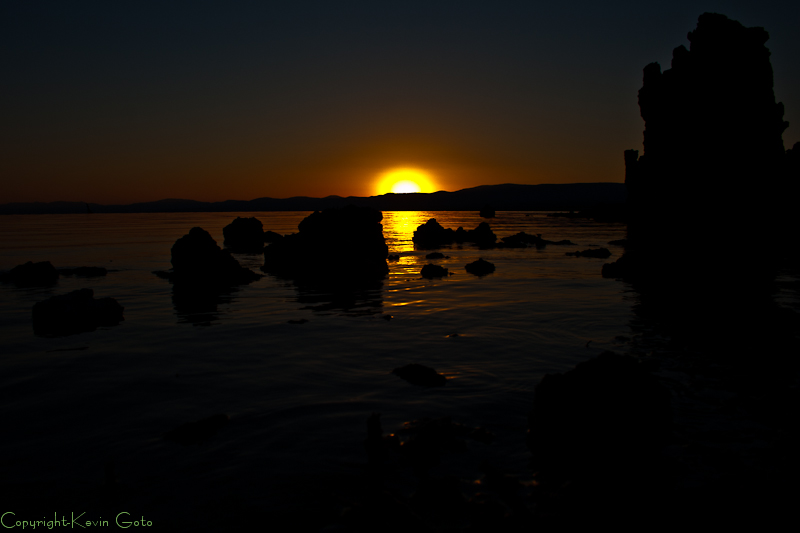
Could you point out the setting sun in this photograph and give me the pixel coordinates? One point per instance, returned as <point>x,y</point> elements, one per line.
<point>405,180</point>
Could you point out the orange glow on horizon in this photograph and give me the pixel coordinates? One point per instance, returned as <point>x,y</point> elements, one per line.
<point>404,180</point>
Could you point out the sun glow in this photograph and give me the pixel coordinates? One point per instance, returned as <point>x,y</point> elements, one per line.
<point>404,180</point>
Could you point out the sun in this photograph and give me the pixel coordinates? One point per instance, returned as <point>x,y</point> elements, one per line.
<point>404,180</point>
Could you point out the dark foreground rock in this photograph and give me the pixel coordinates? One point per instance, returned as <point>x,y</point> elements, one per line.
<point>605,409</point>
<point>199,431</point>
<point>31,274</point>
<point>75,312</point>
<point>431,271</point>
<point>480,267</point>
<point>420,375</point>
<point>198,260</point>
<point>244,235</point>
<point>334,245</point>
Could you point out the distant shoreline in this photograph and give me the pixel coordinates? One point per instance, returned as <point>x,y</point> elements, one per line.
<point>506,197</point>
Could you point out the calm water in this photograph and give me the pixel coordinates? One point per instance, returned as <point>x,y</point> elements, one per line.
<point>298,395</point>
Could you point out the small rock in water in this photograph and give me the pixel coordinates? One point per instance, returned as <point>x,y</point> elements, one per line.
<point>480,267</point>
<point>75,312</point>
<point>421,375</point>
<point>431,271</point>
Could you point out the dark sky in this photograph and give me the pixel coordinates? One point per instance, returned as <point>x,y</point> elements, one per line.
<point>117,101</point>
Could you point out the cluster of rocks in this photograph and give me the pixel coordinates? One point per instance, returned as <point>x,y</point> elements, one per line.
<point>335,245</point>
<point>432,235</point>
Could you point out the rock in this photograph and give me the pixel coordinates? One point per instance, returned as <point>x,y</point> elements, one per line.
<point>600,253</point>
<point>244,235</point>
<point>621,268</point>
<point>199,431</point>
<point>75,312</point>
<point>480,267</point>
<point>431,271</point>
<point>603,409</point>
<point>436,255</point>
<point>196,259</point>
<point>31,274</point>
<point>334,245</point>
<point>711,121</point>
<point>84,271</point>
<point>420,375</point>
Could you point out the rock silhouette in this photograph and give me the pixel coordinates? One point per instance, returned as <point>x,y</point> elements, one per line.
<point>605,408</point>
<point>75,312</point>
<point>420,375</point>
<point>480,267</point>
<point>197,259</point>
<point>431,271</point>
<point>433,235</point>
<point>31,274</point>
<point>713,163</point>
<point>334,245</point>
<point>244,235</point>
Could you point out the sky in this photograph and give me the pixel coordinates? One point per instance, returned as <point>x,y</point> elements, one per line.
<point>122,102</point>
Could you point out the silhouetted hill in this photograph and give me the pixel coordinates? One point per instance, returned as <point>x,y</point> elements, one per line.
<point>506,197</point>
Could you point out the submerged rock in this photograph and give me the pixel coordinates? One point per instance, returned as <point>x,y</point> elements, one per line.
<point>244,235</point>
<point>420,375</point>
<point>199,431</point>
<point>335,245</point>
<point>522,239</point>
<point>75,312</point>
<point>431,271</point>
<point>31,274</point>
<point>84,271</point>
<point>599,253</point>
<point>480,267</point>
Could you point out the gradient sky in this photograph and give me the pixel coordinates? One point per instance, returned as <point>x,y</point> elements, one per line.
<point>119,102</point>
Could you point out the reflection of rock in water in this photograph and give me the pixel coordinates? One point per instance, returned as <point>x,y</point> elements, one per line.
<point>203,276</point>
<point>350,299</point>
<point>198,304</point>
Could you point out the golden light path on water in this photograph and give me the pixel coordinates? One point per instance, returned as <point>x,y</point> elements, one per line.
<point>404,180</point>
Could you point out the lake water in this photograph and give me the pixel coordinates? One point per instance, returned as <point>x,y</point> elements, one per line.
<point>298,395</point>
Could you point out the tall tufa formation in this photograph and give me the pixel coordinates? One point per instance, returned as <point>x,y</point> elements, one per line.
<point>713,161</point>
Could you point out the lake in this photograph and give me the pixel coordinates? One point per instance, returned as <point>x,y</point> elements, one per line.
<point>298,394</point>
